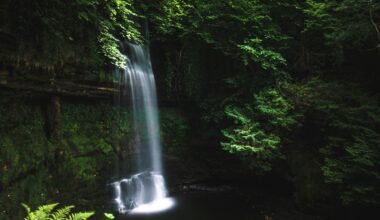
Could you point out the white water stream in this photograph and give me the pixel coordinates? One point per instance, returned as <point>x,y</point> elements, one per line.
<point>145,191</point>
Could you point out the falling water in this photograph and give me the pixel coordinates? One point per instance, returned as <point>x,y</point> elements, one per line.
<point>147,185</point>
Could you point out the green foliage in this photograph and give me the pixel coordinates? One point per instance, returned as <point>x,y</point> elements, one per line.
<point>266,58</point>
<point>45,212</point>
<point>28,126</point>
<point>110,48</point>
<point>252,33</point>
<point>256,135</point>
<point>343,119</point>
<point>338,26</point>
<point>118,21</point>
<point>275,109</point>
<point>52,33</point>
<point>109,216</point>
<point>349,128</point>
<point>172,16</point>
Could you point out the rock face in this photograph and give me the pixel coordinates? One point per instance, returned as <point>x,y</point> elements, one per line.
<point>51,148</point>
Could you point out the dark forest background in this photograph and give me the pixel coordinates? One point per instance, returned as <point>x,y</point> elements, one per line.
<point>283,92</point>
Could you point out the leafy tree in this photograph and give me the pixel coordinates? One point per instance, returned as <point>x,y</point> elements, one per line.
<point>259,127</point>
<point>349,134</point>
<point>252,32</point>
<point>343,119</point>
<point>331,28</point>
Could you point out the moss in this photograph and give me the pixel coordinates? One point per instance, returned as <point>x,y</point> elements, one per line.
<point>36,170</point>
<point>24,144</point>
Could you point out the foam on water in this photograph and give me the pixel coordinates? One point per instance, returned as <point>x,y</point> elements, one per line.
<point>156,206</point>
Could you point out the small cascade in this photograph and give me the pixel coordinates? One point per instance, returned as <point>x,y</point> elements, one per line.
<point>139,189</point>
<point>147,185</point>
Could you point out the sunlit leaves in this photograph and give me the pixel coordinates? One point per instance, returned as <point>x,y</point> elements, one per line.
<point>118,23</point>
<point>173,15</point>
<point>255,135</point>
<point>110,48</point>
<point>269,60</point>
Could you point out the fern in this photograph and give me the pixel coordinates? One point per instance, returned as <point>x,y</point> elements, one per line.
<point>42,212</point>
<point>45,212</point>
<point>28,211</point>
<point>80,216</point>
<point>109,216</point>
<point>61,213</point>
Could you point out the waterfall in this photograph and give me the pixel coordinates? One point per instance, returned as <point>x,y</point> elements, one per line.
<point>147,184</point>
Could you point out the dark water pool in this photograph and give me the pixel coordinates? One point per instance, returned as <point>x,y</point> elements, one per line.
<point>202,206</point>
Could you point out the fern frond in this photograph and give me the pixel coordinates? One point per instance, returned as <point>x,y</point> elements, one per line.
<point>43,212</point>
<point>80,216</point>
<point>47,208</point>
<point>28,212</point>
<point>61,213</point>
